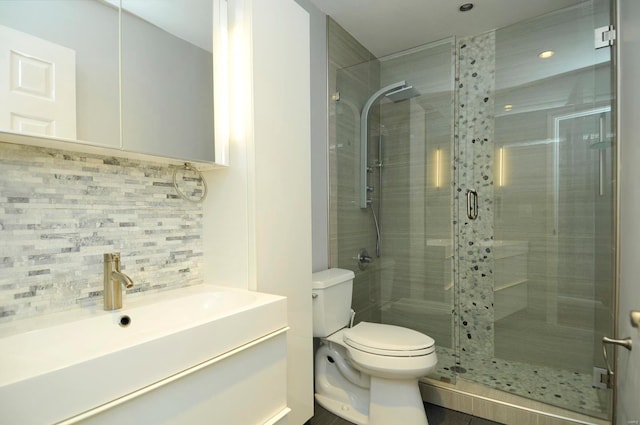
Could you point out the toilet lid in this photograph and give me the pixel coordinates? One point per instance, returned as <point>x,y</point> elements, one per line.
<point>388,340</point>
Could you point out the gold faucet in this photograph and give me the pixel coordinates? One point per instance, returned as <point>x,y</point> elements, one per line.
<point>114,280</point>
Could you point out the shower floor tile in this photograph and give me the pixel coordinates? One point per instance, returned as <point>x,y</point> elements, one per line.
<point>555,386</point>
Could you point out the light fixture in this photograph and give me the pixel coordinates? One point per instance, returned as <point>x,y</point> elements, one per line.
<point>438,167</point>
<point>546,54</point>
<point>501,168</point>
<point>466,7</point>
<point>221,81</point>
<point>508,107</point>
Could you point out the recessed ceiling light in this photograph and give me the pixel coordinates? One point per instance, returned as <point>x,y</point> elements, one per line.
<point>508,107</point>
<point>466,7</point>
<point>546,54</point>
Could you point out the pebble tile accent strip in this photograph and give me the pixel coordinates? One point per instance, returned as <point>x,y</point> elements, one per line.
<point>474,165</point>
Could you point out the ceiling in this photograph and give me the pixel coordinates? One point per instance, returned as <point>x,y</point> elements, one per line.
<point>389,26</point>
<point>190,20</point>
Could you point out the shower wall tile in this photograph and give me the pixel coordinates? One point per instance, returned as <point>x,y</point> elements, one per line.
<point>61,211</point>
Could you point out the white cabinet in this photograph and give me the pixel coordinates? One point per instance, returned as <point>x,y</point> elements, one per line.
<point>167,78</point>
<point>248,387</point>
<point>76,101</point>
<point>134,80</point>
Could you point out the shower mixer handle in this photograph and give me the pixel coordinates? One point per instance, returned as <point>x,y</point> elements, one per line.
<point>363,258</point>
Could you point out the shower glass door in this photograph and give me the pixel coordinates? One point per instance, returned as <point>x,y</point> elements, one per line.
<point>536,266</point>
<point>407,229</point>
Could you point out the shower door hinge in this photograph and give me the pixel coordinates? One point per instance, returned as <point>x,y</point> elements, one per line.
<point>604,36</point>
<point>601,378</point>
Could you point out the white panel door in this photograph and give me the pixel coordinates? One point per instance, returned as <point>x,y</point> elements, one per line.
<point>628,365</point>
<point>37,86</point>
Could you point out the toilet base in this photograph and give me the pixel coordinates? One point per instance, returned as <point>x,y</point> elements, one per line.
<point>391,402</point>
<point>370,401</point>
<point>396,402</point>
<point>343,409</point>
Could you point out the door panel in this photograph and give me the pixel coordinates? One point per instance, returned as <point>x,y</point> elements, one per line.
<point>628,362</point>
<point>37,85</point>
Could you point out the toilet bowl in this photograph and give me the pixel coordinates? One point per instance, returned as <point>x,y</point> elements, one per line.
<point>367,374</point>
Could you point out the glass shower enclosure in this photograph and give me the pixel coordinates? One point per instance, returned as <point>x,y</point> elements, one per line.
<point>490,202</point>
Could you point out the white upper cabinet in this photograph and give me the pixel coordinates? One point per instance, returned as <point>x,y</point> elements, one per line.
<point>126,75</point>
<point>59,70</point>
<point>167,78</point>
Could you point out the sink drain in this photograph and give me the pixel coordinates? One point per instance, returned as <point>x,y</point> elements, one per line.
<point>125,321</point>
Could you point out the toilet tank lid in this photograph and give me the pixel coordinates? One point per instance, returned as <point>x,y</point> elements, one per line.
<point>330,277</point>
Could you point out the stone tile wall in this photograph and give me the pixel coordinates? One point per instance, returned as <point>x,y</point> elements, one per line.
<point>61,211</point>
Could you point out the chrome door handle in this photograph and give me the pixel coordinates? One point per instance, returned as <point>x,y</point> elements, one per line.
<point>601,139</point>
<point>472,204</point>
<point>626,343</point>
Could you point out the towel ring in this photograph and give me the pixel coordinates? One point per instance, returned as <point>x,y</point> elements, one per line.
<point>188,167</point>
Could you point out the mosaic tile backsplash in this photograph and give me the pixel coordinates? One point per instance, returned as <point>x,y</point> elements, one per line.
<point>61,211</point>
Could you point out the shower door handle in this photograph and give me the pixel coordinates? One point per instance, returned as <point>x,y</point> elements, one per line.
<point>625,342</point>
<point>472,204</point>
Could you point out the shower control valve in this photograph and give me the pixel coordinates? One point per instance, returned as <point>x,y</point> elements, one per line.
<point>370,188</point>
<point>369,169</point>
<point>363,259</point>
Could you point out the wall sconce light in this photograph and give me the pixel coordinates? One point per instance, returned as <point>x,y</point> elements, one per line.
<point>501,168</point>
<point>438,168</point>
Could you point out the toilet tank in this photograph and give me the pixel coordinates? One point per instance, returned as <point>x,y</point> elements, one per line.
<point>331,300</point>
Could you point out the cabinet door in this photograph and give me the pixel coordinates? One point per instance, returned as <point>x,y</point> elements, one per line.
<point>59,70</point>
<point>167,78</point>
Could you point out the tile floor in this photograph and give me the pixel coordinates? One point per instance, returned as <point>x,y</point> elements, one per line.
<point>435,414</point>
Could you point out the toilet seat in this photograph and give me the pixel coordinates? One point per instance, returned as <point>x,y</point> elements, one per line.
<point>388,340</point>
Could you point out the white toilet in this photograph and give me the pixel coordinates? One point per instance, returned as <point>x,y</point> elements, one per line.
<point>367,374</point>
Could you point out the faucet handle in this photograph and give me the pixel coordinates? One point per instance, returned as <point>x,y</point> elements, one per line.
<point>112,256</point>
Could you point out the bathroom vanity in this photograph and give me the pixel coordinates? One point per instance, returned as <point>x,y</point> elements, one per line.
<point>195,355</point>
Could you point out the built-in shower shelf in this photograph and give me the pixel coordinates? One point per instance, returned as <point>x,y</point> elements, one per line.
<point>509,298</point>
<point>509,285</point>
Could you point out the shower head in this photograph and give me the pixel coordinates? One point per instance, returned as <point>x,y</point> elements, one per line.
<point>403,93</point>
<point>396,92</point>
